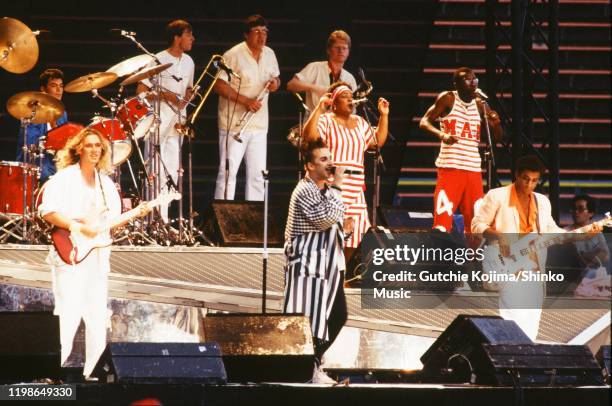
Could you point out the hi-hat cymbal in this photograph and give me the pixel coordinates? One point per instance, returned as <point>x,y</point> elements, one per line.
<point>131,65</point>
<point>47,107</point>
<point>18,46</point>
<point>145,74</point>
<point>90,81</point>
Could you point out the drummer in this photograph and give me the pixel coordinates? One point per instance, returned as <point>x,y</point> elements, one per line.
<point>52,83</point>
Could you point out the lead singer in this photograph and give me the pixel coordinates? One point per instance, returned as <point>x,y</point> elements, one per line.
<point>348,136</point>
<point>314,272</point>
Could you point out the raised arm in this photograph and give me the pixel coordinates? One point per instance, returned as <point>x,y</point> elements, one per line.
<point>442,106</point>
<point>311,131</point>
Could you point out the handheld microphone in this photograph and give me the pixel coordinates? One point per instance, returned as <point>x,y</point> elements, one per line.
<point>332,170</point>
<point>38,32</point>
<point>481,94</point>
<point>220,64</point>
<point>122,32</point>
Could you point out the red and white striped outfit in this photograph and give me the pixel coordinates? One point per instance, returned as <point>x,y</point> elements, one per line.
<point>348,147</point>
<point>459,182</point>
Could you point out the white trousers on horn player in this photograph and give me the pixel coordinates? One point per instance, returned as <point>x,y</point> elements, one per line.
<point>253,149</point>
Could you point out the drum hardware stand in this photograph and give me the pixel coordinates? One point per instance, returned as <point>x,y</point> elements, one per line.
<point>154,187</point>
<point>26,160</point>
<point>188,131</point>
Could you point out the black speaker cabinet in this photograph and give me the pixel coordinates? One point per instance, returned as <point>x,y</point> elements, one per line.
<point>263,348</point>
<point>29,346</point>
<point>446,359</point>
<point>240,224</point>
<point>536,365</point>
<point>603,357</point>
<point>161,363</point>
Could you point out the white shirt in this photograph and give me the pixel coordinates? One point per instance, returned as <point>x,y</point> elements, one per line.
<point>67,193</point>
<point>177,79</point>
<point>317,73</point>
<point>254,76</point>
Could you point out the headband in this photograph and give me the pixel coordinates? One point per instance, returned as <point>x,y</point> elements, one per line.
<point>338,90</point>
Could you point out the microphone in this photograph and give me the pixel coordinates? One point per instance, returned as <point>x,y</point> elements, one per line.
<point>332,170</point>
<point>220,64</point>
<point>481,94</point>
<point>301,101</point>
<point>38,32</point>
<point>361,100</point>
<point>124,33</point>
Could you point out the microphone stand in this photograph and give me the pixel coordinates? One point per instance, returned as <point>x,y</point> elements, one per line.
<point>301,115</point>
<point>489,154</point>
<point>264,277</point>
<point>379,165</point>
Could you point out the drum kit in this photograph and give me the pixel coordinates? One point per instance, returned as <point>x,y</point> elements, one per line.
<point>131,119</point>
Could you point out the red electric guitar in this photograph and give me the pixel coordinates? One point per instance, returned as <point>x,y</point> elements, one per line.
<point>73,248</point>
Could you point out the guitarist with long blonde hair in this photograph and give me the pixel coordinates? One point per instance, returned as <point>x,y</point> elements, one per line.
<point>78,198</point>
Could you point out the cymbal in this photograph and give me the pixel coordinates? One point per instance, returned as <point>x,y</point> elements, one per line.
<point>90,81</point>
<point>145,73</point>
<point>131,65</point>
<point>19,45</point>
<point>47,107</point>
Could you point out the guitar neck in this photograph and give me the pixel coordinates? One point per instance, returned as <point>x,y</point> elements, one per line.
<point>558,239</point>
<point>129,215</point>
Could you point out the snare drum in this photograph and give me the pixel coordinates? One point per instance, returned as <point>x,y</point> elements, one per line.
<point>11,186</point>
<point>59,136</point>
<point>136,117</point>
<point>112,130</point>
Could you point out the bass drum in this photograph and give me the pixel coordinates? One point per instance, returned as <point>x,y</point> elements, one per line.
<point>11,186</point>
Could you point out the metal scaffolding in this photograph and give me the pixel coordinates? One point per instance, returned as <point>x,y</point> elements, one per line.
<point>531,65</point>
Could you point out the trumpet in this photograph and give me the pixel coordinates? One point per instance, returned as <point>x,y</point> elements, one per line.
<point>247,116</point>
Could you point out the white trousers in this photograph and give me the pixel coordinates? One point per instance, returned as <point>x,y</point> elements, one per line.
<point>253,148</point>
<point>81,292</point>
<point>169,147</point>
<point>522,303</point>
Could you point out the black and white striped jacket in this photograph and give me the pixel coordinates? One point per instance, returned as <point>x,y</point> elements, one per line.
<point>314,253</point>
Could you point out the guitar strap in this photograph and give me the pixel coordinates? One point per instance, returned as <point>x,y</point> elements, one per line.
<point>102,190</point>
<point>535,197</point>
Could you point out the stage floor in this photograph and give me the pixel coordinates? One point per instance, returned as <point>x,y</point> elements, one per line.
<point>160,294</point>
<point>350,394</point>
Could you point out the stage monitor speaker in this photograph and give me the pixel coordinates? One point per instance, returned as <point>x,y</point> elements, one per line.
<point>29,346</point>
<point>240,224</point>
<point>464,337</point>
<point>535,365</point>
<point>168,363</point>
<point>603,357</point>
<point>263,348</point>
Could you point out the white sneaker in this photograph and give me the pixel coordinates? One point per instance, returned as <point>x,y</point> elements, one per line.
<point>318,376</point>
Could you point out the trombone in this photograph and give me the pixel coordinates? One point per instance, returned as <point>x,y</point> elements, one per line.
<point>187,129</point>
